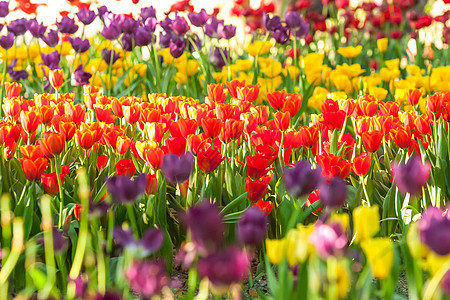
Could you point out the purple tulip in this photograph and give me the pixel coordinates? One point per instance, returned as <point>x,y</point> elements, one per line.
<point>302,31</point>
<point>129,25</point>
<point>106,55</point>
<point>150,243</point>
<point>196,45</point>
<point>411,177</point>
<point>4,9</point>
<point>127,42</point>
<point>36,29</point>
<point>434,229</point>
<point>150,24</point>
<point>102,10</point>
<point>125,190</point>
<point>328,240</point>
<point>281,35</point>
<point>301,180</point>
<point>79,45</point>
<point>177,169</point>
<point>198,19</point>
<point>80,76</point>
<point>226,31</point>
<point>51,60</point>
<point>166,24</point>
<point>211,27</point>
<point>164,39</point>
<point>7,41</point>
<point>205,226</point>
<point>147,278</point>
<point>112,31</point>
<point>142,36</point>
<point>60,241</point>
<point>86,16</point>
<point>98,209</point>
<point>293,19</point>
<point>18,26</point>
<point>81,286</point>
<point>179,25</point>
<point>108,295</point>
<point>177,47</point>
<point>270,24</point>
<point>252,227</point>
<point>225,267</point>
<point>67,25</point>
<point>217,59</point>
<point>52,38</point>
<point>147,12</point>
<point>333,193</point>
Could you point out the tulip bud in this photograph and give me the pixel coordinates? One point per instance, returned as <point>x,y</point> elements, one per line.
<point>56,78</point>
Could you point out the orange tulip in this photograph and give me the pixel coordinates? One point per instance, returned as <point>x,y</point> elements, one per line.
<point>13,89</point>
<point>212,127</point>
<point>31,151</point>
<point>232,87</point>
<point>131,113</point>
<point>257,189</point>
<point>11,107</point>
<point>122,144</point>
<point>52,143</point>
<point>232,130</point>
<point>102,162</point>
<point>308,136</point>
<point>30,120</point>
<point>276,99</point>
<point>86,138</point>
<point>209,159</point>
<point>47,112</point>
<point>68,129</point>
<point>9,149</point>
<point>125,167</point>
<point>362,163</point>
<point>155,131</point>
<point>401,136</point>
<point>33,168</point>
<point>56,78</point>
<point>413,96</point>
<point>372,140</point>
<point>77,113</point>
<point>334,165</point>
<point>282,120</point>
<point>216,94</point>
<point>152,184</point>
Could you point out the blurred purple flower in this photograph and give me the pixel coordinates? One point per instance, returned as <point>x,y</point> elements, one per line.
<point>86,16</point>
<point>150,243</point>
<point>16,75</point>
<point>60,241</point>
<point>195,44</point>
<point>129,25</point>
<point>303,30</point>
<point>102,10</point>
<point>150,24</point>
<point>252,227</point>
<point>333,193</point>
<point>281,35</point>
<point>147,278</point>
<point>79,45</point>
<point>81,286</point>
<point>108,295</point>
<point>211,27</point>
<point>328,240</point>
<point>67,25</point>
<point>293,19</point>
<point>411,177</point>
<point>225,267</point>
<point>147,12</point>
<point>198,19</point>
<point>177,47</point>
<point>7,41</point>
<point>127,42</point>
<point>18,26</point>
<point>179,25</point>
<point>446,283</point>
<point>177,169</point>
<point>106,55</point>
<point>434,229</point>
<point>51,60</point>
<point>4,9</point>
<point>270,24</point>
<point>125,190</point>
<point>165,38</point>
<point>112,31</point>
<point>166,24</point>
<point>52,38</point>
<point>80,76</point>
<point>217,58</point>
<point>98,209</point>
<point>205,226</point>
<point>226,31</point>
<point>142,36</point>
<point>36,29</point>
<point>301,180</point>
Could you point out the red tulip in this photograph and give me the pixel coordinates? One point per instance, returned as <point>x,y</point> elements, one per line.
<point>102,162</point>
<point>56,78</point>
<point>372,140</point>
<point>125,167</point>
<point>257,189</point>
<point>264,206</point>
<point>209,159</point>
<point>33,168</point>
<point>362,163</point>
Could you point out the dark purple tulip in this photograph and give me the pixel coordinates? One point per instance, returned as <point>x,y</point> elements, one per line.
<point>270,24</point>
<point>125,190</point>
<point>80,76</point>
<point>179,25</point>
<point>302,31</point>
<point>60,241</point>
<point>127,42</point>
<point>67,25</point>
<point>150,243</point>
<point>166,24</point>
<point>211,27</point>
<point>4,9</point>
<point>226,31</point>
<point>293,19</point>
<point>281,35</point>
<point>204,223</point>
<point>81,286</point>
<point>333,193</point>
<point>301,180</point>
<point>164,39</point>
<point>86,16</point>
<point>150,24</point>
<point>411,177</point>
<point>129,25</point>
<point>106,55</point>
<point>147,278</point>
<point>79,45</point>
<point>252,227</point>
<point>51,60</point>
<point>108,295</point>
<point>434,229</point>
<point>196,45</point>
<point>147,12</point>
<point>112,31</point>
<point>7,41</point>
<point>177,169</point>
<point>142,36</point>
<point>36,29</point>
<point>98,209</point>
<point>177,47</point>
<point>225,267</point>
<point>217,59</point>
<point>328,240</point>
<point>18,26</point>
<point>198,19</point>
<point>102,10</point>
<point>52,38</point>
<point>18,75</point>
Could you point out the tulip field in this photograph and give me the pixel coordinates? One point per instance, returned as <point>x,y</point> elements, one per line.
<point>289,150</point>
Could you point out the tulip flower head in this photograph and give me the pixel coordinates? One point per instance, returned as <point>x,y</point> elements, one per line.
<point>252,227</point>
<point>124,189</point>
<point>434,229</point>
<point>412,176</point>
<point>301,180</point>
<point>177,169</point>
<point>56,78</point>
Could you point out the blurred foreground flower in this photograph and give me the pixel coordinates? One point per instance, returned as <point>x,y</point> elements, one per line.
<point>411,177</point>
<point>301,180</point>
<point>252,227</point>
<point>124,189</point>
<point>177,169</point>
<point>147,278</point>
<point>434,229</point>
<point>151,241</point>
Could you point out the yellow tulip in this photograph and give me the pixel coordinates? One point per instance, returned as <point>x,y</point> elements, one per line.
<point>180,77</point>
<point>275,249</point>
<point>311,60</point>
<point>388,75</point>
<point>272,69</point>
<point>380,256</point>
<point>434,262</point>
<point>189,67</point>
<point>366,222</point>
<point>343,83</point>
<point>167,57</point>
<point>293,71</point>
<point>416,247</point>
<point>414,70</point>
<point>342,219</point>
<point>259,48</point>
<point>350,52</point>
<point>298,247</point>
<point>244,64</point>
<point>378,92</point>
<point>392,64</point>
<point>342,280</point>
<point>382,44</point>
<point>350,70</point>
